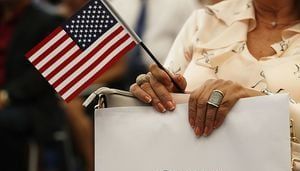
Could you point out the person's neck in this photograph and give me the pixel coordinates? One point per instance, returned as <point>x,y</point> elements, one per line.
<point>277,10</point>
<point>8,10</point>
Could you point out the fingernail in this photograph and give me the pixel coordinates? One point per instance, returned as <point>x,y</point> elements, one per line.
<point>148,99</point>
<point>192,123</point>
<point>198,131</point>
<point>161,108</point>
<point>179,77</point>
<point>170,105</point>
<point>206,131</point>
<point>215,125</point>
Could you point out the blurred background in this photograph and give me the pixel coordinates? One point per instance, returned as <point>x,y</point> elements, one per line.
<point>40,132</point>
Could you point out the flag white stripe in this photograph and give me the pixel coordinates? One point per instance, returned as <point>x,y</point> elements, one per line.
<point>47,46</point>
<point>90,61</point>
<point>97,68</point>
<point>82,55</point>
<point>60,61</point>
<point>54,53</point>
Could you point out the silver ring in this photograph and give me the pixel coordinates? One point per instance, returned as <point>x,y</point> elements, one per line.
<point>216,98</point>
<point>141,79</point>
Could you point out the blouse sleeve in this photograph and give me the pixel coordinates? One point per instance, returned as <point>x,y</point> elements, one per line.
<point>181,51</point>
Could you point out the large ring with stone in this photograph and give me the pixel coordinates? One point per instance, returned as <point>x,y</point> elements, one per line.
<point>216,98</point>
<point>141,79</point>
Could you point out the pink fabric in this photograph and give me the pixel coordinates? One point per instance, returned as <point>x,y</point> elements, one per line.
<point>5,37</point>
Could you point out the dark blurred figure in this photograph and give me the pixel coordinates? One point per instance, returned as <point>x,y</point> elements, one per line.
<point>29,108</point>
<point>79,122</point>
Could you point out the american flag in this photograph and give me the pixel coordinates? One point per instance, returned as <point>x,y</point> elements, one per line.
<point>75,54</point>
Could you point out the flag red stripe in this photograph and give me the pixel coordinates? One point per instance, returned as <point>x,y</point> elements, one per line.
<point>93,65</point>
<point>43,42</point>
<point>62,65</point>
<point>105,68</point>
<point>86,58</point>
<point>57,57</point>
<point>50,49</point>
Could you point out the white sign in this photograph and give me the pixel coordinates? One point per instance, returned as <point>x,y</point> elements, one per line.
<point>254,137</point>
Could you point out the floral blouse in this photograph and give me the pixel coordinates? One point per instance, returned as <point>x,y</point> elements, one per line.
<point>212,45</point>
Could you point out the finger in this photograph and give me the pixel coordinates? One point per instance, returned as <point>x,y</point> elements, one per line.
<point>181,81</point>
<point>210,119</point>
<point>201,115</point>
<point>160,75</point>
<point>193,109</point>
<point>220,116</point>
<point>155,100</point>
<point>138,92</point>
<point>202,106</point>
<point>225,107</point>
<point>194,119</point>
<point>162,93</point>
<point>201,110</point>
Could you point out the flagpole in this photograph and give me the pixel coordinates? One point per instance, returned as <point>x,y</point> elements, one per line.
<point>161,66</point>
<point>140,42</point>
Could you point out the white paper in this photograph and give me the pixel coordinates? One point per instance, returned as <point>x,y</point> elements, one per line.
<point>254,137</point>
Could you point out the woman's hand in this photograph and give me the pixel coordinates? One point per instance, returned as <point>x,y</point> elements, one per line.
<point>204,117</point>
<point>157,88</point>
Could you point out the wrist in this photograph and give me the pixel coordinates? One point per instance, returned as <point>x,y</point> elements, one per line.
<point>253,93</point>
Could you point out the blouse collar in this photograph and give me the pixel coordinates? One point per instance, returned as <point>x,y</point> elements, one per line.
<point>230,11</point>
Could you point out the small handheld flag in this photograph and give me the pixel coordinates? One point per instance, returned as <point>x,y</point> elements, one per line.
<point>75,54</point>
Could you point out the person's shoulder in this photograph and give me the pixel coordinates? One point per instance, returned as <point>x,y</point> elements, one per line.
<point>42,17</point>
<point>35,24</point>
<point>224,10</point>
<point>40,22</point>
<point>228,4</point>
<point>229,7</point>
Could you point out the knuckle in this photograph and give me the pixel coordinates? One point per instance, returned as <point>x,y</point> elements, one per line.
<point>164,80</point>
<point>155,100</point>
<point>239,87</point>
<point>219,81</point>
<point>222,112</point>
<point>201,104</point>
<point>193,117</point>
<point>192,110</point>
<point>155,84</point>
<point>146,86</point>
<point>152,67</point>
<point>164,96</point>
<point>209,81</point>
<point>228,82</point>
<point>133,88</point>
<point>224,105</point>
<point>192,98</point>
<point>210,118</point>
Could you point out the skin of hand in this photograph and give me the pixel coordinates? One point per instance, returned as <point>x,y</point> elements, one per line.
<point>4,99</point>
<point>157,90</point>
<point>203,118</point>
<point>2,104</point>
